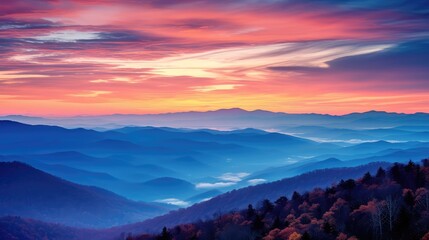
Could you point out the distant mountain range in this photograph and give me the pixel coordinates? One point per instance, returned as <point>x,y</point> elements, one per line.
<point>391,155</point>
<point>129,160</point>
<point>235,118</point>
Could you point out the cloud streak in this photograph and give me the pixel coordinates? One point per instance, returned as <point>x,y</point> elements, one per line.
<point>227,180</point>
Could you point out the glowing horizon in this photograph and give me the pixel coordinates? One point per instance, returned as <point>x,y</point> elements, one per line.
<point>73,57</point>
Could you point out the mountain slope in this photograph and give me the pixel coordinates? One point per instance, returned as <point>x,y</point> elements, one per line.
<point>166,187</point>
<point>16,228</point>
<point>28,192</point>
<point>22,138</point>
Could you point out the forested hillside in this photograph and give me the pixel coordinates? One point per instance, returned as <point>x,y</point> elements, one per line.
<point>392,204</point>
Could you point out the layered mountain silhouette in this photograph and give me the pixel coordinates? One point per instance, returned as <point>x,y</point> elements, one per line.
<point>239,199</point>
<point>129,173</point>
<point>123,160</point>
<point>237,118</point>
<point>28,192</point>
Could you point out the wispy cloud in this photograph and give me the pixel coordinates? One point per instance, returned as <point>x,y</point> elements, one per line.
<point>90,94</point>
<point>174,201</point>
<point>205,185</point>
<point>233,177</point>
<point>67,36</point>
<point>7,75</point>
<point>226,63</point>
<point>116,79</point>
<point>227,180</point>
<point>256,181</point>
<point>210,88</point>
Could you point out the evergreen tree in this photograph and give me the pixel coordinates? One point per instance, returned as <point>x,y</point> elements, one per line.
<point>381,173</point>
<point>277,223</point>
<point>258,223</point>
<point>367,178</point>
<point>165,235</point>
<point>328,228</point>
<point>409,198</point>
<point>305,236</point>
<point>267,206</point>
<point>250,213</point>
<point>296,196</point>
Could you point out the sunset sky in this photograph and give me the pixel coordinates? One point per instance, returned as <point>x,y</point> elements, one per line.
<point>73,57</point>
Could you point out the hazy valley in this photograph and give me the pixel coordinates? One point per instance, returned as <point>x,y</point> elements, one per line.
<point>97,178</point>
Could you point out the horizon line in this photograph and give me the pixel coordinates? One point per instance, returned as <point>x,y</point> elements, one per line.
<point>208,111</point>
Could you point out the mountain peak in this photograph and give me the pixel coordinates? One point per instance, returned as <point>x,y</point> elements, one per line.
<point>10,123</point>
<point>15,165</point>
<point>332,160</point>
<point>230,110</point>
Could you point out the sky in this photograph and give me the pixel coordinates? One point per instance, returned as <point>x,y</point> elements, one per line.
<point>91,57</point>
